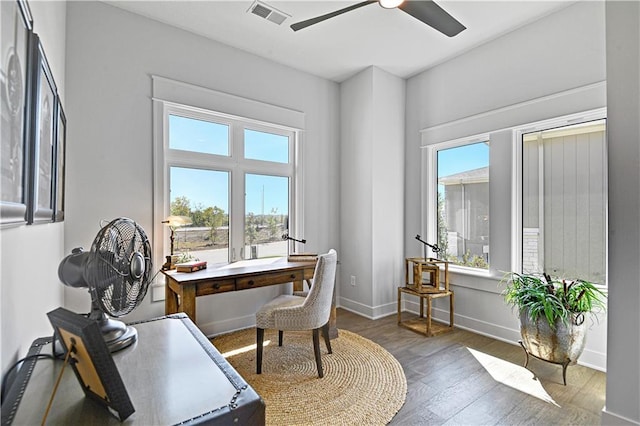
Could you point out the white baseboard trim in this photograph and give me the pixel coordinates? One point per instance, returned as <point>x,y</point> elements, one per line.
<point>589,358</point>
<point>370,312</point>
<point>356,307</point>
<point>611,419</point>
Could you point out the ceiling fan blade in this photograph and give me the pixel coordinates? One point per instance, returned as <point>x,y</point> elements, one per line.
<point>304,24</point>
<point>434,16</point>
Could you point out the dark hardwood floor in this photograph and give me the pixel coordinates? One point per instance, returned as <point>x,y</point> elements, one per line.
<point>462,378</point>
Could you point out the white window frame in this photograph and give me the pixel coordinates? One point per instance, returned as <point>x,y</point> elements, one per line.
<point>516,208</point>
<point>177,98</point>
<point>430,220</point>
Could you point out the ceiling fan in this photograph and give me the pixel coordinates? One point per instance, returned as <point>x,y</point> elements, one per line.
<point>425,10</point>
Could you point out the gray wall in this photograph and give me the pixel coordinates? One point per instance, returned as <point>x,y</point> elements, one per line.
<point>623,103</point>
<point>515,79</point>
<point>111,55</point>
<point>371,197</point>
<point>30,254</point>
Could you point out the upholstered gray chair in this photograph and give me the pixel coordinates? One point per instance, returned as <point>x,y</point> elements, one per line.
<point>288,312</point>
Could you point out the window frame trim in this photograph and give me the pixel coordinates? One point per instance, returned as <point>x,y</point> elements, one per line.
<point>163,157</point>
<point>517,177</point>
<point>429,167</point>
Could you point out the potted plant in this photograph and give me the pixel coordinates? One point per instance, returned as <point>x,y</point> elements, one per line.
<point>552,315</point>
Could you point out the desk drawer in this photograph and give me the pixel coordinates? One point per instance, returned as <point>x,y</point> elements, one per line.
<point>269,279</point>
<point>215,287</point>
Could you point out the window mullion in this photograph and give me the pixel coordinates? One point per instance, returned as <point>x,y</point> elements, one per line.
<point>236,221</point>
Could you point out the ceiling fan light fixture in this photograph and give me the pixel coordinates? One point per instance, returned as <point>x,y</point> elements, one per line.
<point>390,4</point>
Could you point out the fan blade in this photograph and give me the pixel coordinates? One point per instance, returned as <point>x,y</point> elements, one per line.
<point>434,16</point>
<point>304,24</point>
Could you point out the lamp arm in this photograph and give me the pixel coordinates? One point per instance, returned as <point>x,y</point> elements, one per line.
<point>433,247</point>
<point>286,236</point>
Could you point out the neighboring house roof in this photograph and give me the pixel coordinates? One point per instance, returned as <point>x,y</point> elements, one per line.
<point>480,175</point>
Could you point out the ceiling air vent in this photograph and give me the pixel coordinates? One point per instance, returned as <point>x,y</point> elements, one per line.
<point>267,12</point>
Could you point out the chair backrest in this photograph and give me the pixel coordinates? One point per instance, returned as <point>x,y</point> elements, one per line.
<point>321,294</point>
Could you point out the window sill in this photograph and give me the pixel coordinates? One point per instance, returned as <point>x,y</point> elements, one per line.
<point>475,279</point>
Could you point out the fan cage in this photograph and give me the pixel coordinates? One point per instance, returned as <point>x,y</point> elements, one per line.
<point>119,267</point>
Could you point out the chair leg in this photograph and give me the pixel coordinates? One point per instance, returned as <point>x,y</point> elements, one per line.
<point>259,347</point>
<point>280,333</point>
<point>325,334</point>
<point>316,350</point>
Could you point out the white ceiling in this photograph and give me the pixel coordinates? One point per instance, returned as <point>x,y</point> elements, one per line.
<point>342,46</point>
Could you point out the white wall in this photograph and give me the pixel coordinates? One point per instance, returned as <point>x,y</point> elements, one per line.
<point>623,103</point>
<point>512,80</point>
<point>356,170</point>
<point>30,254</point>
<point>388,191</point>
<point>111,55</point>
<point>371,196</point>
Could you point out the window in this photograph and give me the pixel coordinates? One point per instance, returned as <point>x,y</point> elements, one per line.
<point>564,201</point>
<point>233,178</point>
<point>461,219</point>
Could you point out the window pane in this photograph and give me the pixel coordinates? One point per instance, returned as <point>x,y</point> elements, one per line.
<point>463,204</point>
<point>202,195</point>
<point>266,146</point>
<point>564,202</point>
<point>189,134</point>
<point>266,215</point>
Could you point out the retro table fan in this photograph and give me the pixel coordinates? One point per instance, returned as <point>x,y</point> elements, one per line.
<point>116,271</point>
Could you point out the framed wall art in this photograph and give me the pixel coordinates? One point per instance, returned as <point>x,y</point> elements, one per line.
<point>60,151</point>
<point>15,38</point>
<point>42,137</point>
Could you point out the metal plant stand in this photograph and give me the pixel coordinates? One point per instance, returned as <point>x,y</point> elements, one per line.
<point>564,364</point>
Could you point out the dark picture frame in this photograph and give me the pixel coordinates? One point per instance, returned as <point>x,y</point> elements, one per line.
<point>17,26</point>
<point>92,362</point>
<point>42,136</point>
<point>60,163</point>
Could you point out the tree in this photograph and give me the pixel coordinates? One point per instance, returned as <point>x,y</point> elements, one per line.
<point>443,242</point>
<point>213,217</point>
<point>181,206</point>
<point>250,228</point>
<point>272,223</point>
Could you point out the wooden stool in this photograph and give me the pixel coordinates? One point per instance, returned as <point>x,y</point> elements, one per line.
<point>418,324</point>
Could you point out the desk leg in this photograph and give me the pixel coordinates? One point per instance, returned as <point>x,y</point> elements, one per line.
<point>428,315</point>
<point>399,305</point>
<point>170,298</point>
<point>188,301</point>
<point>451,310</point>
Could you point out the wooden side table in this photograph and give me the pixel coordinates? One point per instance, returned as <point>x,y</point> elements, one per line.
<point>423,323</point>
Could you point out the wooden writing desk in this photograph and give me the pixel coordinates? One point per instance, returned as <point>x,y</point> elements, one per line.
<point>182,288</point>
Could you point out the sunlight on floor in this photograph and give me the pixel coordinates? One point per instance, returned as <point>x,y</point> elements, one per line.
<point>512,375</point>
<point>244,349</point>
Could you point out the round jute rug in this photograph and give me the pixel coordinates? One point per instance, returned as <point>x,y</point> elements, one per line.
<point>363,384</point>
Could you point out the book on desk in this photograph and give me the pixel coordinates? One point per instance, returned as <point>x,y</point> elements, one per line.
<point>192,266</point>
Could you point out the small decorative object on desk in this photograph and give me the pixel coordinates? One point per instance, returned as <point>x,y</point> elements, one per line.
<point>192,266</point>
<point>302,257</point>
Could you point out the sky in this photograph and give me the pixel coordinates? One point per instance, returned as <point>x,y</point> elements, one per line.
<point>263,193</point>
<point>462,158</point>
